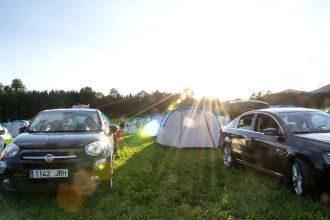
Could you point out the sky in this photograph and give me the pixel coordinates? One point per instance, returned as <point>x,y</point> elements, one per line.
<point>223,49</point>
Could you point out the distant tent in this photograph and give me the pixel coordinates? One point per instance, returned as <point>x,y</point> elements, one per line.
<point>134,125</point>
<point>150,125</point>
<point>223,120</point>
<point>13,126</point>
<point>106,118</point>
<point>127,124</point>
<point>190,126</point>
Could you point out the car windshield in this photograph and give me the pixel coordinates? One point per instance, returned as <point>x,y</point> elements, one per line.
<point>65,121</point>
<point>307,122</point>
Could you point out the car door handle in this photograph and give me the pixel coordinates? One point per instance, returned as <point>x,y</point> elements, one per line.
<point>247,142</point>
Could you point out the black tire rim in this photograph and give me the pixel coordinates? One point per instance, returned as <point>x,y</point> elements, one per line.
<point>297,179</point>
<point>227,159</point>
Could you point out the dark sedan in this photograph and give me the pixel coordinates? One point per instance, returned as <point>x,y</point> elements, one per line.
<point>60,147</point>
<point>292,143</point>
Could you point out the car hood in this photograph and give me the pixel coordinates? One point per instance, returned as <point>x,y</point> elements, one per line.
<point>323,137</point>
<point>56,140</point>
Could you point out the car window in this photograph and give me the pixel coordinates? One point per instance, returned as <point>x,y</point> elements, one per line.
<point>65,121</point>
<point>306,122</point>
<point>245,122</point>
<point>264,121</point>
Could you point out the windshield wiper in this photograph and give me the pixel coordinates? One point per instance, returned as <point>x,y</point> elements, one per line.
<point>31,131</point>
<point>325,131</point>
<point>303,132</point>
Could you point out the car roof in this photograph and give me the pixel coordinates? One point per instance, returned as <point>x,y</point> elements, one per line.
<point>70,109</point>
<point>283,110</point>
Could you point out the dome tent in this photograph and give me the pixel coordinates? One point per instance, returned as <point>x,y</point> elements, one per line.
<point>150,125</point>
<point>127,124</point>
<point>134,125</point>
<point>190,126</point>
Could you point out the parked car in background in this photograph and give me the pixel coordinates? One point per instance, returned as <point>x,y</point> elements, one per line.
<point>2,144</point>
<point>59,147</point>
<point>4,133</point>
<point>13,126</point>
<point>291,143</point>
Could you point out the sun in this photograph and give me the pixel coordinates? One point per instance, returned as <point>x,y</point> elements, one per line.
<point>223,91</point>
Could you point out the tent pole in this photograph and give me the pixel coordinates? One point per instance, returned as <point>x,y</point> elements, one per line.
<point>208,129</point>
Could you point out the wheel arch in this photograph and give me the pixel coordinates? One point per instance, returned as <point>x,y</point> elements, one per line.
<point>294,156</point>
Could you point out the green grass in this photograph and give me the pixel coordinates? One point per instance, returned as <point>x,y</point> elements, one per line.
<point>155,182</point>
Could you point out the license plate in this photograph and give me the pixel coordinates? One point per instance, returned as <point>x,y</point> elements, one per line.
<point>54,173</point>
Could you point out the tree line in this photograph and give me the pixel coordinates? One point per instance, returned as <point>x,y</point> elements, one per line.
<point>301,99</point>
<point>17,102</point>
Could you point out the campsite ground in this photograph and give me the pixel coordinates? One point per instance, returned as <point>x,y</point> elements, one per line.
<point>153,182</point>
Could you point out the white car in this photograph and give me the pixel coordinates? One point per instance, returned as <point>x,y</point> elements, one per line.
<point>4,133</point>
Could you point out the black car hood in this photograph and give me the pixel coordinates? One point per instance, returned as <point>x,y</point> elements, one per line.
<point>324,137</point>
<point>54,140</point>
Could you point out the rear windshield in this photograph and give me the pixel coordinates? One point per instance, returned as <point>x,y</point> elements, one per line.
<point>65,121</point>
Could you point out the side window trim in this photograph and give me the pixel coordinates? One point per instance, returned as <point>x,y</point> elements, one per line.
<point>104,122</point>
<point>254,127</point>
<point>252,122</point>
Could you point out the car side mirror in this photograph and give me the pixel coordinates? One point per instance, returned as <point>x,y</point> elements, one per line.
<point>271,132</point>
<point>2,131</point>
<point>113,128</point>
<point>21,129</point>
<point>274,132</point>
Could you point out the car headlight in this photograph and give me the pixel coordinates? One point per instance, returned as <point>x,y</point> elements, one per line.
<point>11,150</point>
<point>95,148</point>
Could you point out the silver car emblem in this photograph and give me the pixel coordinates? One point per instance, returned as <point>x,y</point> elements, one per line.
<point>49,158</point>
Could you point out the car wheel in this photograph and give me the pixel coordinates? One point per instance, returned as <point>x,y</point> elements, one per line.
<point>228,159</point>
<point>302,178</point>
<point>105,184</point>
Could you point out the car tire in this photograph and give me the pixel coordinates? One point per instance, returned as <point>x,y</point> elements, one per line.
<point>107,184</point>
<point>227,156</point>
<point>110,181</point>
<point>302,178</point>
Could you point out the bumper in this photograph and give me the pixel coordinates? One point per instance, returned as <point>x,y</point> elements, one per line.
<point>81,177</point>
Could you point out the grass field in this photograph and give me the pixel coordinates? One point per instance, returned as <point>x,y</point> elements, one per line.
<point>154,182</point>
